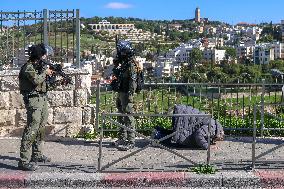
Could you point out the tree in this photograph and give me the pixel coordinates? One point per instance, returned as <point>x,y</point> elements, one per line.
<point>216,74</point>
<point>195,56</point>
<point>277,64</point>
<point>157,29</point>
<point>230,53</point>
<point>184,37</point>
<point>174,35</point>
<point>266,39</point>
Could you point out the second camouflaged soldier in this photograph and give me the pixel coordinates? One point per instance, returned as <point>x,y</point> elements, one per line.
<point>127,86</point>
<point>33,87</point>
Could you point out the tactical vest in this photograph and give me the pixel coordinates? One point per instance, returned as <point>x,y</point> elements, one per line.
<point>128,74</point>
<point>26,86</point>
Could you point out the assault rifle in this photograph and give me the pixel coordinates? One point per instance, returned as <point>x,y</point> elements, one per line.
<point>57,71</point>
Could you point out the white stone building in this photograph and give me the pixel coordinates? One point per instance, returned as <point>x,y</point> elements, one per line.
<point>243,50</point>
<point>214,55</point>
<point>166,67</point>
<point>263,54</point>
<point>138,35</point>
<point>104,25</point>
<point>166,71</point>
<point>252,32</point>
<point>278,50</point>
<point>213,42</point>
<point>181,54</point>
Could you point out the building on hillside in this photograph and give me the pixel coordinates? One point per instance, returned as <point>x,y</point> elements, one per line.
<point>104,25</point>
<point>166,67</point>
<point>263,54</point>
<point>252,32</point>
<point>212,42</point>
<point>211,30</point>
<point>138,35</point>
<point>244,51</point>
<point>141,61</point>
<point>278,50</point>
<point>214,55</point>
<point>175,26</point>
<point>170,70</point>
<point>183,54</point>
<point>199,29</point>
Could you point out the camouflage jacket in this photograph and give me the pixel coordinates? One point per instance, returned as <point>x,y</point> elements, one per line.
<point>32,80</point>
<point>128,77</point>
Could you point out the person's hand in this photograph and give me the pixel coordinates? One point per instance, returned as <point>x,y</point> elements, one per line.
<point>114,77</point>
<point>130,98</point>
<point>49,71</point>
<point>64,82</point>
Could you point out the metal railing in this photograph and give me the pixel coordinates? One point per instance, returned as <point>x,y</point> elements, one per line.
<point>58,28</point>
<point>262,129</point>
<point>152,142</point>
<point>232,101</point>
<point>231,104</point>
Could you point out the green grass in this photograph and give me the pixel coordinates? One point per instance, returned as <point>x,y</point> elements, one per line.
<point>231,112</point>
<point>204,169</point>
<point>163,100</point>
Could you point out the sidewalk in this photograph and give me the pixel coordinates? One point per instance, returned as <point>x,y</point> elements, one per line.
<point>74,164</point>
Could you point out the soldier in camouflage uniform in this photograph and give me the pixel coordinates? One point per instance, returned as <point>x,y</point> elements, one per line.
<point>33,87</point>
<point>127,86</point>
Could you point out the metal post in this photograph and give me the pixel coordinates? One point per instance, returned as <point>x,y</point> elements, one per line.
<point>209,140</point>
<point>98,93</point>
<point>254,137</point>
<point>78,38</point>
<point>45,31</point>
<point>101,144</point>
<point>262,107</point>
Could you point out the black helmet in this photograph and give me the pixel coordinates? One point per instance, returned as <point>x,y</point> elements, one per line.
<point>35,52</point>
<point>124,48</point>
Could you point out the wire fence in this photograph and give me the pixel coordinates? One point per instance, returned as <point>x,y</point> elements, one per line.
<point>231,104</point>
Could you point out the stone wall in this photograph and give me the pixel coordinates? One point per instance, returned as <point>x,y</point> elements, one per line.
<point>69,108</point>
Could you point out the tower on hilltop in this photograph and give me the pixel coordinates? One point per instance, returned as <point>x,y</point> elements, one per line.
<point>282,24</point>
<point>197,14</point>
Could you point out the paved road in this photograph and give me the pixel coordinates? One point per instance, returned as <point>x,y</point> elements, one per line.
<point>82,156</point>
<point>75,163</point>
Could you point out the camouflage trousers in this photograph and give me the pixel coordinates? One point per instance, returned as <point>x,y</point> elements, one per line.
<point>124,104</point>
<point>33,135</point>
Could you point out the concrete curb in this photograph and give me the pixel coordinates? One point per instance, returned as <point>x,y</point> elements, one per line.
<point>271,178</point>
<point>13,180</point>
<point>146,179</point>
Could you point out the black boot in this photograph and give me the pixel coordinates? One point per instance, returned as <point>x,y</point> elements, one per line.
<point>126,146</point>
<point>26,166</point>
<point>41,159</point>
<point>118,142</point>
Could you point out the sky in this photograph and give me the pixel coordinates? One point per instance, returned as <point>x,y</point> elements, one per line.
<point>229,11</point>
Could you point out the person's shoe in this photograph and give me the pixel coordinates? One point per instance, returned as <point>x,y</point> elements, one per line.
<point>41,159</point>
<point>26,166</point>
<point>118,142</point>
<point>125,147</point>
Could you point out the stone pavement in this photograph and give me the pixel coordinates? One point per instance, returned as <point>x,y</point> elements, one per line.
<point>75,162</point>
